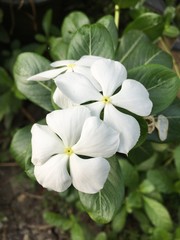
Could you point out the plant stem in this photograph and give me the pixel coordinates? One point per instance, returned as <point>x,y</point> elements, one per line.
<point>117,15</point>
<point>165,48</point>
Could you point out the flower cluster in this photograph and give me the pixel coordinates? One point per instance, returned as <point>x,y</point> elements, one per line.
<point>72,147</point>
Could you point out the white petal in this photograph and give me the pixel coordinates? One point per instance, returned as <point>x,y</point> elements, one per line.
<point>95,108</point>
<point>88,60</point>
<point>45,143</point>
<point>89,175</point>
<point>47,75</point>
<point>68,123</point>
<point>162,125</point>
<point>53,174</point>
<point>97,139</point>
<point>110,74</point>
<point>87,73</point>
<point>77,87</point>
<point>125,124</point>
<point>134,97</point>
<point>62,63</point>
<point>61,100</point>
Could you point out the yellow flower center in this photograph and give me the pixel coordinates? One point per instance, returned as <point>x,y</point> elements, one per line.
<point>68,151</point>
<point>71,65</point>
<point>106,99</point>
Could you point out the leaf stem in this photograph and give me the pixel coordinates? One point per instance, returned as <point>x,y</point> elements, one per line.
<point>166,49</point>
<point>117,15</point>
<point>45,86</point>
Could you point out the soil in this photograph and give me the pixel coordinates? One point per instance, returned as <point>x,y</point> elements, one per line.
<point>21,207</point>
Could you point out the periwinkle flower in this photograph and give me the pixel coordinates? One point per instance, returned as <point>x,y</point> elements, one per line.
<point>71,149</point>
<point>116,92</point>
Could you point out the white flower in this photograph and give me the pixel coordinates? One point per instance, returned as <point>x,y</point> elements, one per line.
<point>81,66</point>
<point>58,149</point>
<point>132,96</point>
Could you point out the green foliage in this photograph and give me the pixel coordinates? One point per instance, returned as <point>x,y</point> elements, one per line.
<point>103,205</point>
<point>157,79</point>
<point>151,24</point>
<point>109,24</point>
<point>21,150</point>
<point>9,103</point>
<point>57,220</point>
<point>158,214</point>
<point>173,115</point>
<point>28,64</point>
<point>150,172</point>
<point>72,23</point>
<point>92,39</point>
<point>136,49</point>
<point>177,159</point>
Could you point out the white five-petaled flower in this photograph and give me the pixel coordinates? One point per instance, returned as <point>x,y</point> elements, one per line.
<point>58,150</point>
<point>81,66</point>
<point>132,96</point>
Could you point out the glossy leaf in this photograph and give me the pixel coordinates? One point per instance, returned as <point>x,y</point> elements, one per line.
<point>119,220</point>
<point>56,220</point>
<point>58,49</point>
<point>108,22</point>
<point>150,23</point>
<point>136,49</point>
<point>161,180</point>
<point>28,64</point>
<point>160,233</point>
<point>161,83</point>
<point>21,150</point>
<point>92,39</point>
<point>47,21</point>
<point>130,174</point>
<point>103,205</point>
<point>172,113</point>
<point>72,23</point>
<point>176,154</point>
<point>158,214</point>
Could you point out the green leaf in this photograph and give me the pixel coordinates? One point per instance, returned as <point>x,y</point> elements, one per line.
<point>136,49</point>
<point>146,186</point>
<point>72,23</point>
<point>130,174</point>
<point>140,154</point>
<point>40,38</point>
<point>126,4</point>
<point>119,220</point>
<point>108,22</point>
<point>150,23</point>
<point>20,149</point>
<point>5,81</point>
<point>8,104</point>
<point>103,205</point>
<point>58,48</point>
<point>91,40</point>
<point>160,233</point>
<point>133,201</point>
<point>77,232</point>
<point>171,31</point>
<point>158,214</point>
<point>143,220</point>
<point>176,154</point>
<point>57,220</point>
<point>26,65</point>
<point>47,21</point>
<point>101,236</point>
<point>161,180</point>
<point>172,113</point>
<point>161,83</point>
